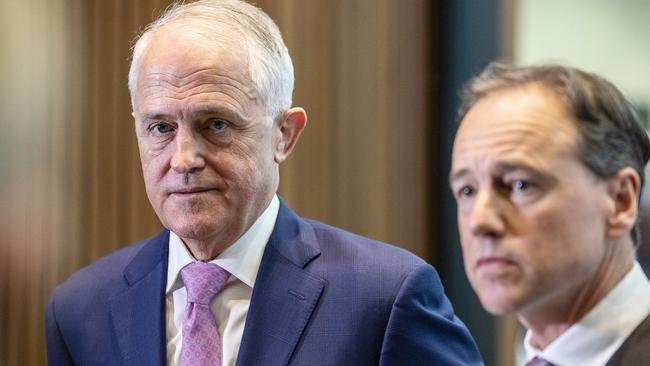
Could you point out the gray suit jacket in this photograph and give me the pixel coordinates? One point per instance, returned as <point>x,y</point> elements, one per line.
<point>635,351</point>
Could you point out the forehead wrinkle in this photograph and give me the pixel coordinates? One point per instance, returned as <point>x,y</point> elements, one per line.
<point>508,147</point>
<point>499,140</point>
<point>501,157</point>
<point>531,108</point>
<point>225,107</point>
<point>161,91</point>
<point>172,74</point>
<point>179,84</point>
<point>529,131</point>
<point>212,97</point>
<point>230,106</point>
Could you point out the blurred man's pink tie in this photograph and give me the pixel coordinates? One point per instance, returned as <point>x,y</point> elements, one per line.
<point>538,362</point>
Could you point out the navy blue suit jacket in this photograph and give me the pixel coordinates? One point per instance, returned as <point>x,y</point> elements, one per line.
<point>322,296</point>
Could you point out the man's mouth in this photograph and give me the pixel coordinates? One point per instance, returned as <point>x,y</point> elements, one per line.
<point>494,263</point>
<point>191,190</point>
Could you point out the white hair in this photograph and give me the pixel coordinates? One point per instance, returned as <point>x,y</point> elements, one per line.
<point>270,67</point>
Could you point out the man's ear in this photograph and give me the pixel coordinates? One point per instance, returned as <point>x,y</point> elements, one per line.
<point>624,189</point>
<point>291,124</point>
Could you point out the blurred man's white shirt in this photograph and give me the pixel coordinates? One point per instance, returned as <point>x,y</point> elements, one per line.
<point>594,339</point>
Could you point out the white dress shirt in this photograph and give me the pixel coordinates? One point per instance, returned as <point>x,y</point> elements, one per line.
<point>594,339</point>
<point>230,306</point>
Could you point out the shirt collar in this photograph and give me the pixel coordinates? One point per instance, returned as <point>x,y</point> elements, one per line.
<point>242,259</point>
<point>595,338</point>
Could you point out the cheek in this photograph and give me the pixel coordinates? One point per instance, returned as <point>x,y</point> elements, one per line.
<point>154,169</point>
<point>468,249</point>
<point>251,158</point>
<point>546,232</point>
<point>468,261</point>
<point>549,224</point>
<point>565,241</point>
<point>238,170</point>
<point>573,224</point>
<point>465,233</point>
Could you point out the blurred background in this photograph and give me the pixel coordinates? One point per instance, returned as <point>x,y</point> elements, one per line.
<point>378,78</point>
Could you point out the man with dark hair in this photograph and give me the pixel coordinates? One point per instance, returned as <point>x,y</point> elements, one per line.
<point>237,278</point>
<point>547,171</point>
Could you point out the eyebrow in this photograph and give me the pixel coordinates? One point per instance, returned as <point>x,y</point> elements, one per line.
<point>505,167</point>
<point>456,175</point>
<point>212,110</point>
<point>498,169</point>
<point>150,116</point>
<point>208,111</point>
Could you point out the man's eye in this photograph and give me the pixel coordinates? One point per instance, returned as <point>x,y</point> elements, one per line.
<point>520,185</point>
<point>218,124</point>
<point>161,128</point>
<point>466,191</point>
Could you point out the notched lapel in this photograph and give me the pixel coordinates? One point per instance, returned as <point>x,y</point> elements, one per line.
<point>283,301</point>
<point>285,294</point>
<point>138,312</point>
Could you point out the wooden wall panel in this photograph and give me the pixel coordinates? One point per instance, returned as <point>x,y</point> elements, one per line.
<point>71,187</point>
<point>363,73</point>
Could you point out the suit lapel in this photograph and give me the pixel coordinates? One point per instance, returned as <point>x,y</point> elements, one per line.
<point>285,294</point>
<point>138,312</point>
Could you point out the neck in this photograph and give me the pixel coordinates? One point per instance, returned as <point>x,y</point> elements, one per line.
<point>207,248</point>
<point>204,251</point>
<point>549,320</point>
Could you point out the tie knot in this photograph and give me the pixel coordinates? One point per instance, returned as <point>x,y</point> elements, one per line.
<point>538,362</point>
<point>203,281</point>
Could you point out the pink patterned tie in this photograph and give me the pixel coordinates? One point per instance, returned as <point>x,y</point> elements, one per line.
<point>201,341</point>
<point>538,362</point>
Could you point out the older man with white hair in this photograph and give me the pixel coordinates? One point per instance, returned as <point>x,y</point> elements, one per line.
<point>237,277</point>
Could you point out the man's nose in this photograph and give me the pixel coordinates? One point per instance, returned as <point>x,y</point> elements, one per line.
<point>188,155</point>
<point>486,217</point>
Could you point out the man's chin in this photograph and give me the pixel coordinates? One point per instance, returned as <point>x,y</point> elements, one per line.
<point>499,302</point>
<point>498,309</point>
<point>197,230</point>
